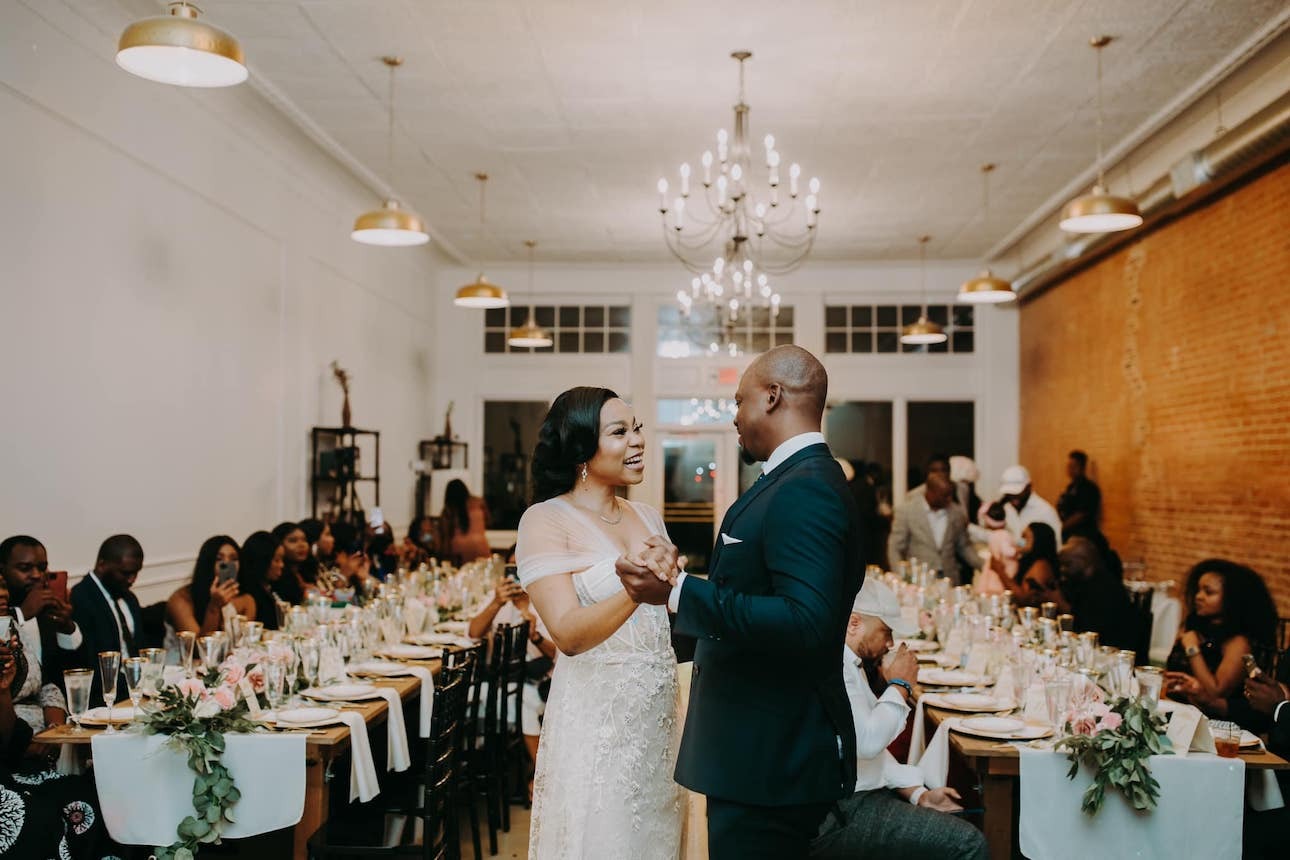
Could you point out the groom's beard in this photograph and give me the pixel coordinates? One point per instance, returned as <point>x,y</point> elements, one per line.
<point>746,458</point>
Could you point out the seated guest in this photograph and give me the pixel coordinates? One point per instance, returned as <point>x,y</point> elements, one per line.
<point>47,638</point>
<point>292,584</point>
<point>260,568</point>
<point>1000,573</point>
<point>107,610</point>
<point>354,565</point>
<point>463,523</point>
<point>318,533</point>
<point>1096,596</point>
<point>1267,834</point>
<point>419,544</point>
<point>42,813</point>
<point>1232,614</point>
<point>382,551</point>
<point>891,812</point>
<point>1037,570</point>
<point>931,528</point>
<point>199,606</point>
<point>1023,506</point>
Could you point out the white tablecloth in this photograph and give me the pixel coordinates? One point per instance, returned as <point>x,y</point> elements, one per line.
<point>1202,799</point>
<point>145,787</point>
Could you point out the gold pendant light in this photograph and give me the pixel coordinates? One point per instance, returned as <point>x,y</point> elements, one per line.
<point>390,226</point>
<point>985,288</point>
<point>1100,211</point>
<point>178,49</point>
<point>923,330</point>
<point>530,334</point>
<point>481,294</point>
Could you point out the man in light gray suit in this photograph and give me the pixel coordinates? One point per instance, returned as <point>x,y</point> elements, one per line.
<point>930,528</point>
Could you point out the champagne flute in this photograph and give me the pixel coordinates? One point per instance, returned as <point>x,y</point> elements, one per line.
<point>135,670</point>
<point>109,669</point>
<point>78,683</point>
<point>309,661</point>
<point>187,640</point>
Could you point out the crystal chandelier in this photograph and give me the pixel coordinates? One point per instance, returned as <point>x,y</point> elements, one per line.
<point>757,232</point>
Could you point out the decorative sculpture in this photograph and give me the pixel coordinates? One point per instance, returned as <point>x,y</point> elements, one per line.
<point>343,377</point>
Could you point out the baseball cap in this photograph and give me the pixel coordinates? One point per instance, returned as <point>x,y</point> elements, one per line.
<point>877,600</point>
<point>1014,480</point>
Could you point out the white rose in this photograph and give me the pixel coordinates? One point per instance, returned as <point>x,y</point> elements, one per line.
<point>207,709</point>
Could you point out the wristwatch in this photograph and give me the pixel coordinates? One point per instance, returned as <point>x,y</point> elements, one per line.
<point>1191,651</point>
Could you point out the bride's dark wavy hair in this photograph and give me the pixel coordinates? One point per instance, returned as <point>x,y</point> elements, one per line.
<point>569,437</point>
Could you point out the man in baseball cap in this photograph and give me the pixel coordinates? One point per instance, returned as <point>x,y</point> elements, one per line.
<point>1023,506</point>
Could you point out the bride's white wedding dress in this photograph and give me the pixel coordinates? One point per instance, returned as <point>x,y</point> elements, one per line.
<point>604,785</point>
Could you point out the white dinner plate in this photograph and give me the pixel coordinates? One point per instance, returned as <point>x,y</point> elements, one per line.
<point>121,714</point>
<point>918,644</point>
<point>1001,728</point>
<point>381,669</point>
<point>410,652</point>
<point>950,678</point>
<point>970,703</point>
<point>440,639</point>
<point>303,718</point>
<point>343,692</point>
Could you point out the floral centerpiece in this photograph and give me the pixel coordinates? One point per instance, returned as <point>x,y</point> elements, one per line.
<point>196,714</point>
<point>1114,739</point>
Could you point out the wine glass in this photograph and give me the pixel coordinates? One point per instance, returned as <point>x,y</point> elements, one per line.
<point>135,670</point>
<point>187,641</point>
<point>78,683</point>
<point>309,660</point>
<point>109,669</point>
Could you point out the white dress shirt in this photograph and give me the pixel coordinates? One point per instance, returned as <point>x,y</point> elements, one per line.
<point>879,720</point>
<point>29,633</point>
<point>939,522</point>
<point>124,613</point>
<point>782,452</point>
<point>1036,510</point>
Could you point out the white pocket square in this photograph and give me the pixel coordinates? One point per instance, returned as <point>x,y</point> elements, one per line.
<point>727,540</point>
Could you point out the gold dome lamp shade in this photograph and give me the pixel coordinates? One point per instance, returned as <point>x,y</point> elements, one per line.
<point>179,49</point>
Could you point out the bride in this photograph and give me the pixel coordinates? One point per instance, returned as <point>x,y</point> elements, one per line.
<point>604,784</point>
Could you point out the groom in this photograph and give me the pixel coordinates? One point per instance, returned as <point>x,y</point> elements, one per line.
<point>769,737</point>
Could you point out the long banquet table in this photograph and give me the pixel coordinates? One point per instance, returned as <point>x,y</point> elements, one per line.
<point>323,747</point>
<point>997,766</point>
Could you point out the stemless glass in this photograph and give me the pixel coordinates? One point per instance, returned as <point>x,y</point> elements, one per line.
<point>1150,680</point>
<point>1057,693</point>
<point>210,652</point>
<point>109,669</point>
<point>187,641</point>
<point>274,673</point>
<point>135,670</point>
<point>78,683</point>
<point>154,671</point>
<point>251,633</point>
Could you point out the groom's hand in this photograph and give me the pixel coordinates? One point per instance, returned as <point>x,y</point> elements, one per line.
<point>660,557</point>
<point>641,583</point>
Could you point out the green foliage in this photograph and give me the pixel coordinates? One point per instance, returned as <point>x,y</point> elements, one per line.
<point>1118,757</point>
<point>202,738</point>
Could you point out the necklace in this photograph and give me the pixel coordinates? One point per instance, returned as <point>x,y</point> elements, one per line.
<point>618,507</point>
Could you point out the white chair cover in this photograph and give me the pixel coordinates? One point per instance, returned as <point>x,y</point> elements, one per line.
<point>145,787</point>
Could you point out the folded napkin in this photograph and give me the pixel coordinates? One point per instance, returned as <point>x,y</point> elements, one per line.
<point>442,639</point>
<point>414,616</point>
<point>427,698</point>
<point>396,734</point>
<point>362,774</point>
<point>917,732</point>
<point>934,762</point>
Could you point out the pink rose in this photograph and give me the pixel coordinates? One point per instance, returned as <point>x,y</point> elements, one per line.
<point>1099,710</point>
<point>1083,725</point>
<point>192,688</point>
<point>256,677</point>
<point>225,697</point>
<point>1110,722</point>
<point>233,671</point>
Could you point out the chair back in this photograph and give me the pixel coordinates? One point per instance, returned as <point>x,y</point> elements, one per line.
<point>472,659</point>
<point>515,652</point>
<point>438,812</point>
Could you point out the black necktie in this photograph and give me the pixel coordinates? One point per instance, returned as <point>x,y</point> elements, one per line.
<point>125,630</point>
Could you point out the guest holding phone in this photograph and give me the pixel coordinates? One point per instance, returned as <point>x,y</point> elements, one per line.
<point>199,606</point>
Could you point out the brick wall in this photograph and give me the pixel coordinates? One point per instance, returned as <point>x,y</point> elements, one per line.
<point>1169,363</point>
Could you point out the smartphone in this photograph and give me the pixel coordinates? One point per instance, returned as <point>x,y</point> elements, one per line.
<point>512,573</point>
<point>1252,669</point>
<point>225,571</point>
<point>57,582</point>
<point>377,519</point>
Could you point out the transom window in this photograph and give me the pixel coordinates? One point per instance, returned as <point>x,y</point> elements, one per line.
<point>574,328</point>
<point>876,328</point>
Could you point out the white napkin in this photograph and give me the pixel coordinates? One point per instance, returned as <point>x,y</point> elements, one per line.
<point>918,732</point>
<point>427,698</point>
<point>362,774</point>
<point>934,762</point>
<point>396,734</point>
<point>1262,788</point>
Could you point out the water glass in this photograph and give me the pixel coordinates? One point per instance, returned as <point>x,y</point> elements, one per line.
<point>187,641</point>
<point>1124,661</point>
<point>109,669</point>
<point>210,652</point>
<point>1066,623</point>
<point>1227,738</point>
<point>135,670</point>
<point>1150,681</point>
<point>274,675</point>
<point>1057,694</point>
<point>251,633</point>
<point>78,682</point>
<point>154,671</point>
<point>1048,610</point>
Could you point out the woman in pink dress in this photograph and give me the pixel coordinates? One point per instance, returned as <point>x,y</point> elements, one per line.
<point>1000,574</point>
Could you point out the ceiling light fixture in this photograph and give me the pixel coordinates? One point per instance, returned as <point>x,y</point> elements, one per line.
<point>481,294</point>
<point>391,225</point>
<point>985,288</point>
<point>530,334</point>
<point>178,49</point>
<point>735,222</point>
<point>923,331</point>
<point>1100,211</point>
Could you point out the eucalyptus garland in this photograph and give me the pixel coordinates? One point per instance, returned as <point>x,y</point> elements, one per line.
<point>1117,753</point>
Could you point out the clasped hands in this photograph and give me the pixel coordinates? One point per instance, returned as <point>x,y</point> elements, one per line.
<point>649,575</point>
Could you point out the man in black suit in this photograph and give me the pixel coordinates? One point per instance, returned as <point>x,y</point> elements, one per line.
<point>106,610</point>
<point>769,736</point>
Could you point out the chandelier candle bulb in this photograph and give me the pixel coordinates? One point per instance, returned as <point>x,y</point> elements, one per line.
<point>769,141</point>
<point>707,168</point>
<point>685,179</point>
<point>662,195</point>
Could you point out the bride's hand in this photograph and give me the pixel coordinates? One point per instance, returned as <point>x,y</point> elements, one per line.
<point>660,557</point>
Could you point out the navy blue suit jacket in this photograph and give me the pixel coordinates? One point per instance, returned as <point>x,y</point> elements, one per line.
<point>769,722</point>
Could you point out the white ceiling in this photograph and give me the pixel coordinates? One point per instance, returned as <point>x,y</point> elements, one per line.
<point>576,107</point>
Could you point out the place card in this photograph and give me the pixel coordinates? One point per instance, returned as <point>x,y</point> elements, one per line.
<point>228,613</point>
<point>248,693</point>
<point>1189,731</point>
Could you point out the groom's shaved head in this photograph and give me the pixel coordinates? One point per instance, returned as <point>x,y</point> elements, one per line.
<point>798,373</point>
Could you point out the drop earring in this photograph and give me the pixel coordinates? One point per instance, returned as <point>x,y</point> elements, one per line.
<point>584,473</point>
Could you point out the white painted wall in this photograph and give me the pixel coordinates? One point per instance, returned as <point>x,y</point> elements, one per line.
<point>989,376</point>
<point>175,277</point>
